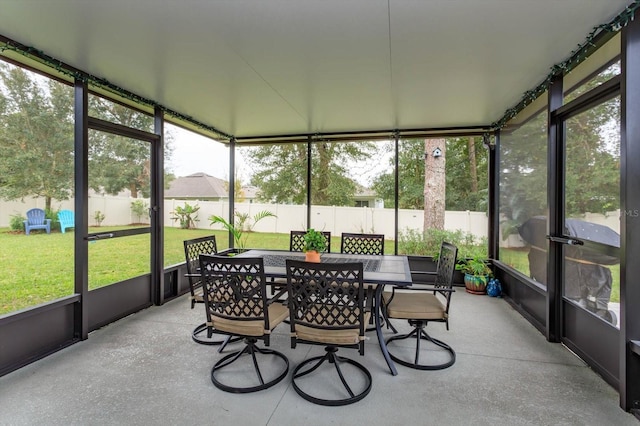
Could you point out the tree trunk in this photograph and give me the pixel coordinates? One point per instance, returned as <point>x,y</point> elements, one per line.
<point>472,165</point>
<point>134,190</point>
<point>47,204</point>
<point>434,184</point>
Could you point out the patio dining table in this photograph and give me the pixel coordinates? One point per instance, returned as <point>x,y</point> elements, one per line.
<point>380,270</point>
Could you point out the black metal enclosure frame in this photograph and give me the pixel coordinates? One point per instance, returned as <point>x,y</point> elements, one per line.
<point>23,339</point>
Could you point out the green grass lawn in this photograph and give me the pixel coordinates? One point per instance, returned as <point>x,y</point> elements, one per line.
<point>40,268</point>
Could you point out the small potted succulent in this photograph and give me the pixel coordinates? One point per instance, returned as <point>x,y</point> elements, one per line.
<point>476,274</point>
<point>314,244</point>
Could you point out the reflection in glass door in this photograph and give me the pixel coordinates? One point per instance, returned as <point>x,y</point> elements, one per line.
<point>119,224</point>
<point>592,203</point>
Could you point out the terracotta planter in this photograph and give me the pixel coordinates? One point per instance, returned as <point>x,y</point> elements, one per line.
<point>475,284</point>
<point>312,256</point>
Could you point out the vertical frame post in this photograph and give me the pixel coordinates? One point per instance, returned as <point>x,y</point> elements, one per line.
<point>81,206</point>
<point>630,219</point>
<point>396,173</point>
<point>308,182</point>
<point>555,221</point>
<point>494,195</point>
<point>232,186</point>
<point>157,210</point>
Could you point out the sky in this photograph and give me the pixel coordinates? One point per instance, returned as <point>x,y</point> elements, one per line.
<point>193,153</point>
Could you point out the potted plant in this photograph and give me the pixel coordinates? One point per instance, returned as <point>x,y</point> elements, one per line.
<point>314,244</point>
<point>476,274</point>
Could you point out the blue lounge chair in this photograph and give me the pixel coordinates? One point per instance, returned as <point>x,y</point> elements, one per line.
<point>67,220</point>
<point>36,220</point>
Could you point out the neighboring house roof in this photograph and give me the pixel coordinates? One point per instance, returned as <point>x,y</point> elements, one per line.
<point>363,193</point>
<point>250,192</point>
<point>198,186</point>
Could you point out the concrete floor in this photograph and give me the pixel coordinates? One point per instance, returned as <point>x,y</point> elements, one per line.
<point>146,370</point>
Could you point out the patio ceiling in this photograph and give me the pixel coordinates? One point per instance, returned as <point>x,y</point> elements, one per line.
<point>260,68</point>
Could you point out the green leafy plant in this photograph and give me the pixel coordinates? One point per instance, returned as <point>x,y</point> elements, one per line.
<point>475,266</point>
<point>187,215</point>
<point>314,241</point>
<point>239,238</point>
<point>139,209</point>
<point>16,223</point>
<point>414,242</point>
<point>98,216</point>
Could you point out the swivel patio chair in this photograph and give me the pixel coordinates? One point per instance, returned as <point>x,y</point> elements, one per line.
<point>36,220</point>
<point>372,244</point>
<point>419,306</point>
<point>237,305</point>
<point>192,250</point>
<point>327,307</point>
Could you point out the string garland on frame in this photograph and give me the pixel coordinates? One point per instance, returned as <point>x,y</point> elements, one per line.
<point>575,57</point>
<point>62,68</point>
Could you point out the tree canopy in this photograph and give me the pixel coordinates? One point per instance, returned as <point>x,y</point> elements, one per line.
<point>281,171</point>
<point>37,141</point>
<point>459,195</point>
<point>36,137</point>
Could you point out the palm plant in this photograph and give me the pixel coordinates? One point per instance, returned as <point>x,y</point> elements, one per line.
<point>239,237</point>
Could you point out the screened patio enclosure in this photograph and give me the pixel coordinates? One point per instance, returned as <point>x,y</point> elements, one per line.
<point>541,83</point>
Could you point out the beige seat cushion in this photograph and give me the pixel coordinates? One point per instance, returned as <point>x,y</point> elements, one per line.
<point>415,305</point>
<point>277,314</point>
<point>330,337</point>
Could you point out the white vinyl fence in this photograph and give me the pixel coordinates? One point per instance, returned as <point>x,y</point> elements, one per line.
<point>117,211</point>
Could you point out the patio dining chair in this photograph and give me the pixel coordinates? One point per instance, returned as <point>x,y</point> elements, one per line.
<point>193,248</point>
<point>419,306</point>
<point>371,244</point>
<point>296,240</point>
<point>296,244</point>
<point>327,307</point>
<point>237,305</point>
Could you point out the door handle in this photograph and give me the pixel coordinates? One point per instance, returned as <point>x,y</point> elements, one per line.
<point>99,236</point>
<point>565,240</point>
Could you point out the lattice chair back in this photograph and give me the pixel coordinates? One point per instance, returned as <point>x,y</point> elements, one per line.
<point>362,244</point>
<point>235,293</point>
<point>296,241</point>
<point>192,251</point>
<point>326,296</point>
<point>236,304</point>
<point>446,268</point>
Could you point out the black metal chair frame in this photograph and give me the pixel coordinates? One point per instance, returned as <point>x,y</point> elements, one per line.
<point>316,291</point>
<point>371,244</point>
<point>235,290</point>
<point>296,244</point>
<point>362,243</point>
<point>444,286</point>
<point>296,240</point>
<point>192,250</point>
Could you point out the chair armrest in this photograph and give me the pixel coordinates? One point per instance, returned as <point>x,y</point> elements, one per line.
<point>423,273</point>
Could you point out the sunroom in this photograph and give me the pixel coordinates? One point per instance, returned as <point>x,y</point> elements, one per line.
<point>544,92</point>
